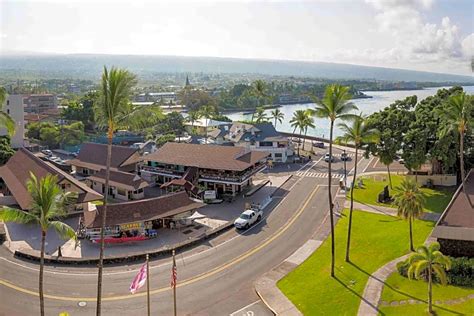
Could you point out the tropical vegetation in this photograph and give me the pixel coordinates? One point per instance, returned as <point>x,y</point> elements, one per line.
<point>426,263</point>
<point>358,134</point>
<point>334,106</point>
<point>48,205</point>
<point>6,120</point>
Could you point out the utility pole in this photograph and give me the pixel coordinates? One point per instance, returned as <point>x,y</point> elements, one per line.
<point>148,284</point>
<point>174,280</point>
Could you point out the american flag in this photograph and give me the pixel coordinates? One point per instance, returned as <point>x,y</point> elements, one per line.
<point>174,275</point>
<point>139,280</point>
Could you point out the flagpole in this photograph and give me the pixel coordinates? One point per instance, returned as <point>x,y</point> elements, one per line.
<point>174,285</point>
<point>148,284</point>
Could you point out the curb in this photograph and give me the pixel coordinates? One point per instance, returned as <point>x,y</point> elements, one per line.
<point>33,255</point>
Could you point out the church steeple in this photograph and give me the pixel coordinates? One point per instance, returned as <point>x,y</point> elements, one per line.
<point>187,82</point>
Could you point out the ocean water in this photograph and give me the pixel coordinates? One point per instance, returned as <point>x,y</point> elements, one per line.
<point>379,100</point>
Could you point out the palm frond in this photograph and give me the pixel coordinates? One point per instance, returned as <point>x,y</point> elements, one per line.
<point>8,214</point>
<point>64,230</point>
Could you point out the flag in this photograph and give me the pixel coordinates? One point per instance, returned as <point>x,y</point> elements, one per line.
<point>174,275</point>
<point>139,280</point>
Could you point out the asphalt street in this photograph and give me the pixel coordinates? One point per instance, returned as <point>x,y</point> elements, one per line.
<point>215,278</point>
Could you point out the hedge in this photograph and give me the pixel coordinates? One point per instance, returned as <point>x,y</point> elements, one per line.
<point>460,274</point>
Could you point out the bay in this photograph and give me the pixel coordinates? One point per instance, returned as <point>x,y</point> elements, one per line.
<point>379,100</point>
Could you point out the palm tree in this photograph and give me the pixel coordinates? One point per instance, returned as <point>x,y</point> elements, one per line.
<point>277,115</point>
<point>207,111</point>
<point>47,206</point>
<point>299,121</point>
<point>259,91</point>
<point>457,113</point>
<point>358,133</point>
<point>261,115</point>
<point>308,122</point>
<point>334,105</point>
<point>5,119</point>
<point>429,261</point>
<point>112,110</point>
<point>409,201</point>
<point>193,116</point>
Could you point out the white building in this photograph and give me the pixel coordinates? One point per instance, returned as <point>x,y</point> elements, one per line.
<point>165,97</point>
<point>259,137</point>
<point>14,107</point>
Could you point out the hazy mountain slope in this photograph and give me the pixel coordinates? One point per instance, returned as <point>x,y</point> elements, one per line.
<point>89,66</point>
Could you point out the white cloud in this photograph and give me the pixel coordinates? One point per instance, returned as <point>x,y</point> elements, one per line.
<point>415,39</point>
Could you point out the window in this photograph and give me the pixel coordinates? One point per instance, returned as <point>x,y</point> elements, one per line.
<point>8,111</point>
<point>278,155</point>
<point>121,192</point>
<point>266,144</point>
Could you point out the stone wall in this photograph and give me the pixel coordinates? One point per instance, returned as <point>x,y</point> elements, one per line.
<point>438,179</point>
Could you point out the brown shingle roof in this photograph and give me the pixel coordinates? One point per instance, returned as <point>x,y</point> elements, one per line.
<point>16,173</point>
<point>142,210</point>
<point>94,156</point>
<point>120,179</point>
<point>207,156</point>
<point>457,221</point>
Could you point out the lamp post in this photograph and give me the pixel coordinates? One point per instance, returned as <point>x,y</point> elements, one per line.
<point>345,171</point>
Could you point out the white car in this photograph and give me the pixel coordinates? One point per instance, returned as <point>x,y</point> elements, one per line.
<point>248,218</point>
<point>327,157</point>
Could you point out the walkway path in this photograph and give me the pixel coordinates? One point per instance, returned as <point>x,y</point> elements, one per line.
<point>378,209</point>
<point>373,289</point>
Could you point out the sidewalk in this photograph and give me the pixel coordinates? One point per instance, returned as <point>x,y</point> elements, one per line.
<point>390,211</point>
<point>266,285</point>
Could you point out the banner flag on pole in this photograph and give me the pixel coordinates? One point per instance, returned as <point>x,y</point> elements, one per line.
<point>139,280</point>
<point>174,274</point>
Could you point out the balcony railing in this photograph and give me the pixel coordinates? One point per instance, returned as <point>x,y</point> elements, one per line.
<point>162,170</point>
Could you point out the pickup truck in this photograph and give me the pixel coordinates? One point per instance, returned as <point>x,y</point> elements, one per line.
<point>248,218</point>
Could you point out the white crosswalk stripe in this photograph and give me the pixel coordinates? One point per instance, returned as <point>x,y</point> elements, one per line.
<point>318,175</point>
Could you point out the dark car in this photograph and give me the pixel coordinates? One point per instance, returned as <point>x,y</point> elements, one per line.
<point>318,144</point>
<point>344,157</point>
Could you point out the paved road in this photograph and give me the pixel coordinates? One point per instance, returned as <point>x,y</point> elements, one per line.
<point>215,278</point>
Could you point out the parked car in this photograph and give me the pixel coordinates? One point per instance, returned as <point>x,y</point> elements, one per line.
<point>318,144</point>
<point>248,218</point>
<point>327,157</point>
<point>401,161</point>
<point>47,152</point>
<point>344,157</point>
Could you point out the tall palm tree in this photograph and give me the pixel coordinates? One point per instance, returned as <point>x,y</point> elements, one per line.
<point>113,108</point>
<point>207,111</point>
<point>359,133</point>
<point>457,113</point>
<point>47,206</point>
<point>5,119</point>
<point>277,115</point>
<point>259,90</point>
<point>429,261</point>
<point>193,116</point>
<point>299,120</point>
<point>308,122</point>
<point>409,201</point>
<point>261,115</point>
<point>334,105</point>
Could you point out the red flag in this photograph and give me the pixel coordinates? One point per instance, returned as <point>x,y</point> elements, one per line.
<point>174,275</point>
<point>139,280</point>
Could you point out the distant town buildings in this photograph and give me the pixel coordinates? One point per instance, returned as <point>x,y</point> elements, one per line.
<point>158,97</point>
<point>259,136</point>
<point>40,103</point>
<point>14,106</point>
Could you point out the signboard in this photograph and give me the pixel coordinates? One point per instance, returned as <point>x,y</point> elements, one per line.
<point>210,195</point>
<point>130,226</point>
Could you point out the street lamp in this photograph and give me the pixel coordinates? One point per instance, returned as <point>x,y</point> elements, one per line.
<point>345,171</point>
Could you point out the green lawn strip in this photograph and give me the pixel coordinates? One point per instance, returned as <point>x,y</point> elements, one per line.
<point>376,240</point>
<point>399,288</point>
<point>466,308</point>
<point>436,199</point>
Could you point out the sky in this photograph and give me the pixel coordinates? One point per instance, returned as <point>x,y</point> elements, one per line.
<point>428,35</point>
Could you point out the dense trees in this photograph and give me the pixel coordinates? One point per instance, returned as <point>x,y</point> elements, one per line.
<point>57,136</point>
<point>82,110</point>
<point>6,150</point>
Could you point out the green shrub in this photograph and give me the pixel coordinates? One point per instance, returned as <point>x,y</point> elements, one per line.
<point>460,274</point>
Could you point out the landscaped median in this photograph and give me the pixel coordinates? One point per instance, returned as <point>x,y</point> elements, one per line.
<point>402,296</point>
<point>376,240</point>
<point>436,199</point>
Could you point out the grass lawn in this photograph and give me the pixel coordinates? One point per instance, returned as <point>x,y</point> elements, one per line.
<point>436,200</point>
<point>399,288</point>
<point>376,240</point>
